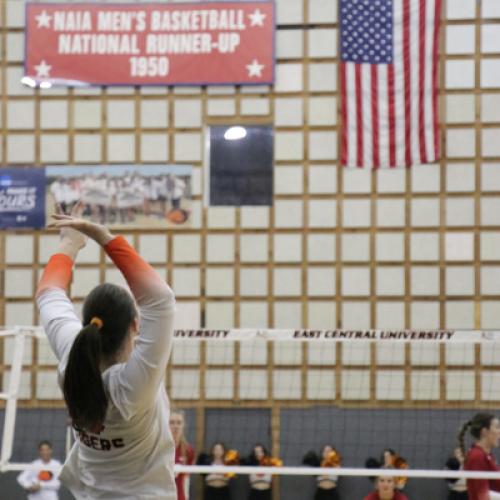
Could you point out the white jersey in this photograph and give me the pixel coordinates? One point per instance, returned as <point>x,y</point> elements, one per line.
<point>57,191</point>
<point>70,193</point>
<point>95,192</point>
<point>179,188</point>
<point>133,456</point>
<point>129,196</point>
<point>41,473</point>
<point>158,189</point>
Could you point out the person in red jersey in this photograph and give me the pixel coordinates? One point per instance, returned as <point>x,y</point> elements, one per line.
<point>385,489</point>
<point>184,452</point>
<point>485,429</point>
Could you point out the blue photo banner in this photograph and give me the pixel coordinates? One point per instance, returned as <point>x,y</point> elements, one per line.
<point>22,198</point>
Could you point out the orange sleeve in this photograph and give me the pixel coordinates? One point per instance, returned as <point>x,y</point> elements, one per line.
<point>141,277</point>
<point>57,273</point>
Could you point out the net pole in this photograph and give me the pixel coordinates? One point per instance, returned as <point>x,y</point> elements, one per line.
<point>11,406</point>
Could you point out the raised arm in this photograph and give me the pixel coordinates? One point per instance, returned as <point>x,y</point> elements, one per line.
<point>57,314</point>
<point>145,283</point>
<point>140,378</point>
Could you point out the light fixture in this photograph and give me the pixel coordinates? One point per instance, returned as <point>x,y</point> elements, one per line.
<point>235,133</point>
<point>45,85</point>
<point>26,80</point>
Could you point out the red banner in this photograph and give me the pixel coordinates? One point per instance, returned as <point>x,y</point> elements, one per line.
<point>150,44</point>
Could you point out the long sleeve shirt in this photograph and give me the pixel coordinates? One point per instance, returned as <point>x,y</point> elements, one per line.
<point>41,473</point>
<point>133,456</point>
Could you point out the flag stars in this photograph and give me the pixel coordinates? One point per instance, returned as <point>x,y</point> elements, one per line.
<point>255,69</point>
<point>257,18</point>
<point>43,20</point>
<point>43,70</point>
<point>367,27</point>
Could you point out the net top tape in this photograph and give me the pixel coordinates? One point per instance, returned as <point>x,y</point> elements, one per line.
<point>301,335</point>
<point>276,335</point>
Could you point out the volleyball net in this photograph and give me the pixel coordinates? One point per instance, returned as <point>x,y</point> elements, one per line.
<point>293,391</point>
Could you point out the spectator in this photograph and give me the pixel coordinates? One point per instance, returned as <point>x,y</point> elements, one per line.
<point>40,480</point>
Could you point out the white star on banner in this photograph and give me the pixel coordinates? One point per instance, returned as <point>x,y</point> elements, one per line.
<point>255,69</point>
<point>43,70</point>
<point>43,20</point>
<point>257,18</point>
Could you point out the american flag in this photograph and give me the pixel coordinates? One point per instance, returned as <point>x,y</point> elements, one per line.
<point>389,82</point>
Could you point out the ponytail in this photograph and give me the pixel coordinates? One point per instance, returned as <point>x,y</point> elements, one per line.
<point>83,387</point>
<point>108,313</point>
<point>478,422</point>
<point>461,436</point>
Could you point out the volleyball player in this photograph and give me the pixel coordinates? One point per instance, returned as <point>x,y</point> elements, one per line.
<point>112,370</point>
<point>57,191</point>
<point>485,429</point>
<point>184,452</point>
<point>178,187</point>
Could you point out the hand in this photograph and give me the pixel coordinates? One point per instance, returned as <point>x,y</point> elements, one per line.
<point>71,239</point>
<point>34,488</point>
<point>98,233</point>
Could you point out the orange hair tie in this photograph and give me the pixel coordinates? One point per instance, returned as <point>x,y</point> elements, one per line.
<point>97,322</point>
